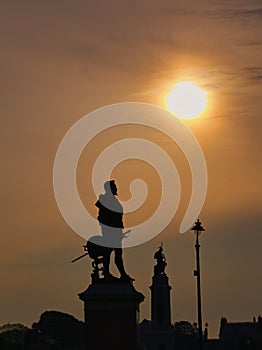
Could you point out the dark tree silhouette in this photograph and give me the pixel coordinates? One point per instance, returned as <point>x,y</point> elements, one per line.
<point>60,330</point>
<point>54,331</point>
<point>185,327</point>
<point>12,336</point>
<point>185,335</point>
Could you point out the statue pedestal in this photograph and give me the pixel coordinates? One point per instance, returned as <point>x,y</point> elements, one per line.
<point>160,303</point>
<point>111,315</point>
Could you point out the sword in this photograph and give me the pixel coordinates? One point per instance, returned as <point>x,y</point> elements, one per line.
<point>80,257</point>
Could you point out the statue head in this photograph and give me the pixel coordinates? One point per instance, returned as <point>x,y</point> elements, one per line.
<point>110,187</point>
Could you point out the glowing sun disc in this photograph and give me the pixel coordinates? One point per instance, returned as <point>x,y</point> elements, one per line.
<point>186,100</point>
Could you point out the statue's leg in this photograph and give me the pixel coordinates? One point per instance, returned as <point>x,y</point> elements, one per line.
<point>106,261</point>
<point>118,237</point>
<point>119,262</point>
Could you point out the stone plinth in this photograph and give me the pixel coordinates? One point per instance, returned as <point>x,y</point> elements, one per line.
<point>160,303</point>
<point>111,315</point>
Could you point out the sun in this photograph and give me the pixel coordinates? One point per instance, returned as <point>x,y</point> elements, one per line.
<point>186,100</point>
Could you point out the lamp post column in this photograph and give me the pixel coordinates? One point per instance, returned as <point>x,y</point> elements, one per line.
<point>198,229</point>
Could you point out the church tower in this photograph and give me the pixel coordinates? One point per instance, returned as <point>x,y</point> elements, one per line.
<point>160,295</point>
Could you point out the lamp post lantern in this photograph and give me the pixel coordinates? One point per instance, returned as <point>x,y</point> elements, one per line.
<point>198,228</point>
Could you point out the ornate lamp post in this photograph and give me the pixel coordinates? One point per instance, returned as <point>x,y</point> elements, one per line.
<point>198,228</point>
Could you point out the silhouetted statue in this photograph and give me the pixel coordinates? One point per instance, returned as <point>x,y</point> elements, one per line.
<point>110,217</point>
<point>99,248</point>
<point>159,268</point>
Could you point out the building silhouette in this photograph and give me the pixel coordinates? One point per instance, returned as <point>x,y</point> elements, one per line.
<point>241,335</point>
<point>157,334</point>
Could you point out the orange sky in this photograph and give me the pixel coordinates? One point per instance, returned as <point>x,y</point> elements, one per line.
<point>59,62</point>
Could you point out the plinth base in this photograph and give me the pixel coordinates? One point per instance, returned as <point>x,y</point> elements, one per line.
<point>111,316</point>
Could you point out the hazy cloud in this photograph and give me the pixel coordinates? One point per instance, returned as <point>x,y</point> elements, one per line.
<point>252,15</point>
<point>252,73</point>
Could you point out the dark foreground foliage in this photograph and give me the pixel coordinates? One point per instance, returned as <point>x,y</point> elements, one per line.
<point>54,331</point>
